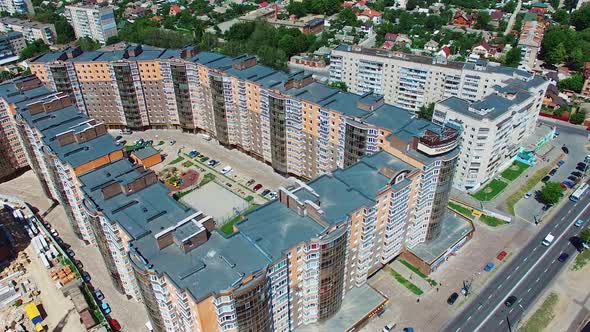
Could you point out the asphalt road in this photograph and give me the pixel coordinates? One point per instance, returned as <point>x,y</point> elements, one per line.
<point>525,277</point>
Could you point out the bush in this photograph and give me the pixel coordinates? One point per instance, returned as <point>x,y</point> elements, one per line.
<point>551,193</point>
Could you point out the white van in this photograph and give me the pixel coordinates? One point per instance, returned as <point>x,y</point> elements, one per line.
<point>548,240</point>
<point>388,327</point>
<point>226,169</point>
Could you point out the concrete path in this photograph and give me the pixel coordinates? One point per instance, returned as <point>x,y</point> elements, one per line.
<point>411,276</point>
<point>513,17</point>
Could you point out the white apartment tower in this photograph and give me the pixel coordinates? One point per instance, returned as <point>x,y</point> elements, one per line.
<point>96,22</point>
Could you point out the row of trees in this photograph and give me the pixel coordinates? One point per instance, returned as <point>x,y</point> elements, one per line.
<point>272,46</point>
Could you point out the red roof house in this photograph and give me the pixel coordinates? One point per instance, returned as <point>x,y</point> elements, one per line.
<point>263,4</point>
<point>174,10</point>
<point>463,20</point>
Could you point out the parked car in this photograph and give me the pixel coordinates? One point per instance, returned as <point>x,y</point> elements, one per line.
<point>388,327</point>
<point>106,309</point>
<point>579,223</point>
<point>250,182</point>
<point>556,134</point>
<point>265,192</point>
<point>79,264</point>
<point>575,179</point>
<point>561,162</point>
<point>226,169</point>
<point>452,298</point>
<point>70,252</point>
<point>86,276</point>
<point>510,301</point>
<point>272,195</point>
<point>216,163</point>
<point>193,153</point>
<point>115,325</point>
<point>257,187</point>
<point>553,171</point>
<point>99,295</point>
<point>118,137</point>
<point>501,255</point>
<point>204,159</point>
<point>489,266</point>
<point>581,168</point>
<point>563,257</point>
<point>581,164</point>
<point>547,207</point>
<point>568,183</point>
<point>528,195</point>
<point>565,149</point>
<point>211,162</point>
<point>149,142</point>
<point>546,178</point>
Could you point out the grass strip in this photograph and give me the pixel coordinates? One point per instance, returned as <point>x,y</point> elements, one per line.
<point>177,160</point>
<point>581,260</point>
<point>187,163</point>
<point>543,316</point>
<point>414,269</point>
<point>406,283</point>
<point>526,187</point>
<point>462,210</point>
<point>491,221</point>
<point>228,227</point>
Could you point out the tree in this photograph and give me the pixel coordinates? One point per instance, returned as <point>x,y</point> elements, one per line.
<point>510,6</point>
<point>296,8</point>
<point>551,192</point>
<point>5,75</point>
<point>513,57</point>
<point>113,40</point>
<point>339,85</point>
<point>573,83</point>
<point>411,4</point>
<point>585,235</point>
<point>208,42</point>
<point>561,16</point>
<point>426,111</point>
<point>35,48</point>
<point>348,17</point>
<point>579,117</point>
<point>556,55</point>
<point>87,44</point>
<point>483,20</point>
<point>581,18</point>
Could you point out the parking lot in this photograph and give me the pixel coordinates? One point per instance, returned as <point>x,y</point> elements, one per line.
<point>531,209</point>
<point>244,167</point>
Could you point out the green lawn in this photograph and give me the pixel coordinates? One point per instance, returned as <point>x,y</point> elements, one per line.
<point>528,186</point>
<point>581,260</point>
<point>514,171</point>
<point>490,190</point>
<point>187,163</point>
<point>418,272</point>
<point>543,316</point>
<point>491,221</point>
<point>462,210</point>
<point>206,179</point>
<point>406,283</point>
<point>228,227</point>
<point>177,160</point>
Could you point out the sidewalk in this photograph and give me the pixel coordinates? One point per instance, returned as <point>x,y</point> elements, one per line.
<point>411,276</point>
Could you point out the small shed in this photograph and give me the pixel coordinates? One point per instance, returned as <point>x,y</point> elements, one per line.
<point>147,156</point>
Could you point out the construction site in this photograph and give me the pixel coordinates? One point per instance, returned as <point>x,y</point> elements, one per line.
<point>40,287</point>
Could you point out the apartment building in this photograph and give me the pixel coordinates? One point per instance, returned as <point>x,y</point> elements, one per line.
<point>289,263</point>
<point>22,7</point>
<point>31,30</point>
<point>411,81</point>
<point>11,44</point>
<point>289,121</point>
<point>530,40</point>
<point>62,144</point>
<point>12,156</point>
<point>93,21</point>
<point>493,129</point>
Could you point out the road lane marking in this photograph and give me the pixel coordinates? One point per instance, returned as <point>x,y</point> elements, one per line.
<point>535,249</point>
<point>489,297</point>
<point>546,270</point>
<point>518,267</point>
<point>510,311</point>
<point>555,227</point>
<point>501,322</point>
<point>480,306</point>
<point>491,312</point>
<point>536,281</point>
<point>528,290</point>
<point>526,258</point>
<point>468,318</point>
<point>508,277</point>
<point>459,329</point>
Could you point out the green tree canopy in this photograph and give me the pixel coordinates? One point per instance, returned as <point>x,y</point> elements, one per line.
<point>513,57</point>
<point>573,83</point>
<point>35,48</point>
<point>339,85</point>
<point>579,117</point>
<point>551,193</point>
<point>585,235</point>
<point>483,20</point>
<point>561,16</point>
<point>87,44</point>
<point>426,111</point>
<point>581,18</point>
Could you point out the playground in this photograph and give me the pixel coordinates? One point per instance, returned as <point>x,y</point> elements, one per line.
<point>177,180</point>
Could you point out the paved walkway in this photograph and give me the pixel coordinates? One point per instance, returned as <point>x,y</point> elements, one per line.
<point>411,276</point>
<point>513,18</point>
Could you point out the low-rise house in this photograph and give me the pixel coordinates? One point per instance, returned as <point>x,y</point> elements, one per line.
<point>462,19</point>
<point>431,46</point>
<point>370,15</point>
